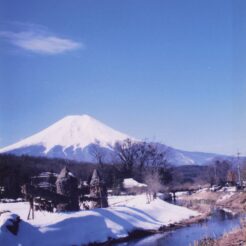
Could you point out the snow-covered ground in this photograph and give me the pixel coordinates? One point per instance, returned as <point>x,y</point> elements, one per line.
<point>126,214</point>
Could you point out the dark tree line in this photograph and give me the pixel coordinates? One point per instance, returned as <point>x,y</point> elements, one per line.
<point>18,170</point>
<point>145,162</point>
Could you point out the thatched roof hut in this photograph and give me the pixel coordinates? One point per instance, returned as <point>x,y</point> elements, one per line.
<point>67,185</point>
<point>95,178</point>
<point>98,191</point>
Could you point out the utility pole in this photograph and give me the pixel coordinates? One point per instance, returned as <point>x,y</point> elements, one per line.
<point>238,170</point>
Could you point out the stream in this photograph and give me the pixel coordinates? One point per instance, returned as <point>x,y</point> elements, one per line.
<point>215,226</point>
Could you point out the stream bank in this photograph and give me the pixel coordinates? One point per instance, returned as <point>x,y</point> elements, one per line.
<point>220,222</point>
<point>214,226</point>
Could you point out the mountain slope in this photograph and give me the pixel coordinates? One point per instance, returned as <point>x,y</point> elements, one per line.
<point>71,138</point>
<point>180,157</point>
<point>75,137</point>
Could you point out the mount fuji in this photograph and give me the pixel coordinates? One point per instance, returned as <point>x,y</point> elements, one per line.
<point>73,137</point>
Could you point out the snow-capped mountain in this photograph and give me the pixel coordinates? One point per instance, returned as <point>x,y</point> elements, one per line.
<point>73,137</point>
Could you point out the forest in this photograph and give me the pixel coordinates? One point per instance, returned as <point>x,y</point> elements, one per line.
<point>18,170</point>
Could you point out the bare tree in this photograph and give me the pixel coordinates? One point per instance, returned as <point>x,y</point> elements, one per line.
<point>98,153</point>
<point>126,152</point>
<point>218,171</point>
<point>243,169</point>
<point>142,155</point>
<point>149,161</point>
<point>231,177</point>
<point>152,179</point>
<point>211,175</point>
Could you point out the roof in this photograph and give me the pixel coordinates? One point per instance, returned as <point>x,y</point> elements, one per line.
<point>96,178</point>
<point>131,183</point>
<point>65,173</point>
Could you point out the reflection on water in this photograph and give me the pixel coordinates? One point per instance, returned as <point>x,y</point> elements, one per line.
<point>216,225</point>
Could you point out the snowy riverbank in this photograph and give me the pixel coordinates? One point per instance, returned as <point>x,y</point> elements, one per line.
<point>126,214</point>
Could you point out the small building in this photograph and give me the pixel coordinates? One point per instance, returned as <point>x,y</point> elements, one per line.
<point>131,186</point>
<point>45,180</point>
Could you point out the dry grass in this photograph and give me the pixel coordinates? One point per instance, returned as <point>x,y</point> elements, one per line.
<point>236,202</point>
<point>205,201</point>
<point>236,237</point>
<point>205,195</point>
<point>205,242</point>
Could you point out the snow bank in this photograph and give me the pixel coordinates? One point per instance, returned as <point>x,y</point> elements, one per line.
<point>7,219</point>
<point>231,189</point>
<point>96,225</point>
<point>181,193</point>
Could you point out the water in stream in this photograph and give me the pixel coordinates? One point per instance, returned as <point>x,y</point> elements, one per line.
<point>216,225</point>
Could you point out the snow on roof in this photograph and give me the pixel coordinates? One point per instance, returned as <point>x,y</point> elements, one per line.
<point>71,174</point>
<point>45,175</point>
<point>65,173</point>
<point>130,183</point>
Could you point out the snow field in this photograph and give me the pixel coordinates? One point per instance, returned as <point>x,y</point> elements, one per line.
<point>75,228</point>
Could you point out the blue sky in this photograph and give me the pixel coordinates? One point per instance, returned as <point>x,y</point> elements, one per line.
<point>167,70</point>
